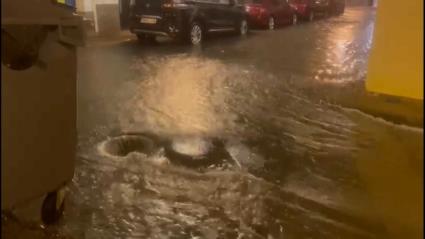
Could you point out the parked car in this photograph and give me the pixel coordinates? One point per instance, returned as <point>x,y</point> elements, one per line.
<point>270,13</point>
<point>309,9</point>
<point>188,20</point>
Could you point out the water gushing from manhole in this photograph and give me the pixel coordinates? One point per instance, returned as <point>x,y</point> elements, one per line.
<point>197,152</point>
<point>195,147</point>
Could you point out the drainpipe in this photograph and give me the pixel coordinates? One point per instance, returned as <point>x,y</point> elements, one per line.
<point>96,23</point>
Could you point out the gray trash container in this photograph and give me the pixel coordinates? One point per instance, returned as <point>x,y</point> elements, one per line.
<point>38,103</point>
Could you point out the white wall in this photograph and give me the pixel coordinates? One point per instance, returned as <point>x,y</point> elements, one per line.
<point>87,5</point>
<point>106,1</point>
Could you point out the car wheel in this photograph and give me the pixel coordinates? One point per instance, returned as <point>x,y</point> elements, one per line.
<point>271,23</point>
<point>311,16</point>
<point>243,27</point>
<point>294,19</point>
<point>196,33</point>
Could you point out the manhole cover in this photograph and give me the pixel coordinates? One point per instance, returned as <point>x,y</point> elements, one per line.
<point>197,152</point>
<point>121,146</point>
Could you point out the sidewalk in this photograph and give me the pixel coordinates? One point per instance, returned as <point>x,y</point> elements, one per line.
<point>99,40</point>
<point>104,38</point>
<point>394,109</point>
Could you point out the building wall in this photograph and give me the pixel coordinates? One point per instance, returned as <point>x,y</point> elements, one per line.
<point>87,5</point>
<point>107,12</point>
<point>84,5</point>
<point>108,18</point>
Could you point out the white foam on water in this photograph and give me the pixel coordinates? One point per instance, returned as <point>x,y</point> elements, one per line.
<point>383,121</point>
<point>193,146</point>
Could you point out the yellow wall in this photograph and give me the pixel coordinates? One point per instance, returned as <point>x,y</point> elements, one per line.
<point>396,60</point>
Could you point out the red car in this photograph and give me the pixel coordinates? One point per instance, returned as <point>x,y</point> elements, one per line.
<point>270,13</point>
<point>309,9</point>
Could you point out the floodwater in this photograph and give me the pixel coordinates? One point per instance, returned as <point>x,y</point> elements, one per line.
<point>238,139</point>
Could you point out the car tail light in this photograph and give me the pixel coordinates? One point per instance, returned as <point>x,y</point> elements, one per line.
<point>255,9</point>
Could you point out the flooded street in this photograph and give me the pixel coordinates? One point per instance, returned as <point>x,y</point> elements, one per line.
<point>258,137</point>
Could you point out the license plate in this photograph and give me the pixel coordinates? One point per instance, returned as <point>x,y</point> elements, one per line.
<point>148,20</point>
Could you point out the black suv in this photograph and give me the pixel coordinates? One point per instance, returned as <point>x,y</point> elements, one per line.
<point>187,20</point>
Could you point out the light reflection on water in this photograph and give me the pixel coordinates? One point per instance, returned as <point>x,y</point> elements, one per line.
<point>346,49</point>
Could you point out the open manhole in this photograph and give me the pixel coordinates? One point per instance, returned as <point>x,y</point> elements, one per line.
<point>197,152</point>
<point>123,145</point>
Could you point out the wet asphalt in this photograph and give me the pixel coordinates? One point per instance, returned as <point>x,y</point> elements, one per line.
<point>239,138</point>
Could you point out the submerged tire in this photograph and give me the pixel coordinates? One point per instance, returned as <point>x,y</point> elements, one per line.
<point>294,20</point>
<point>271,24</point>
<point>311,16</point>
<point>243,27</point>
<point>196,33</point>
